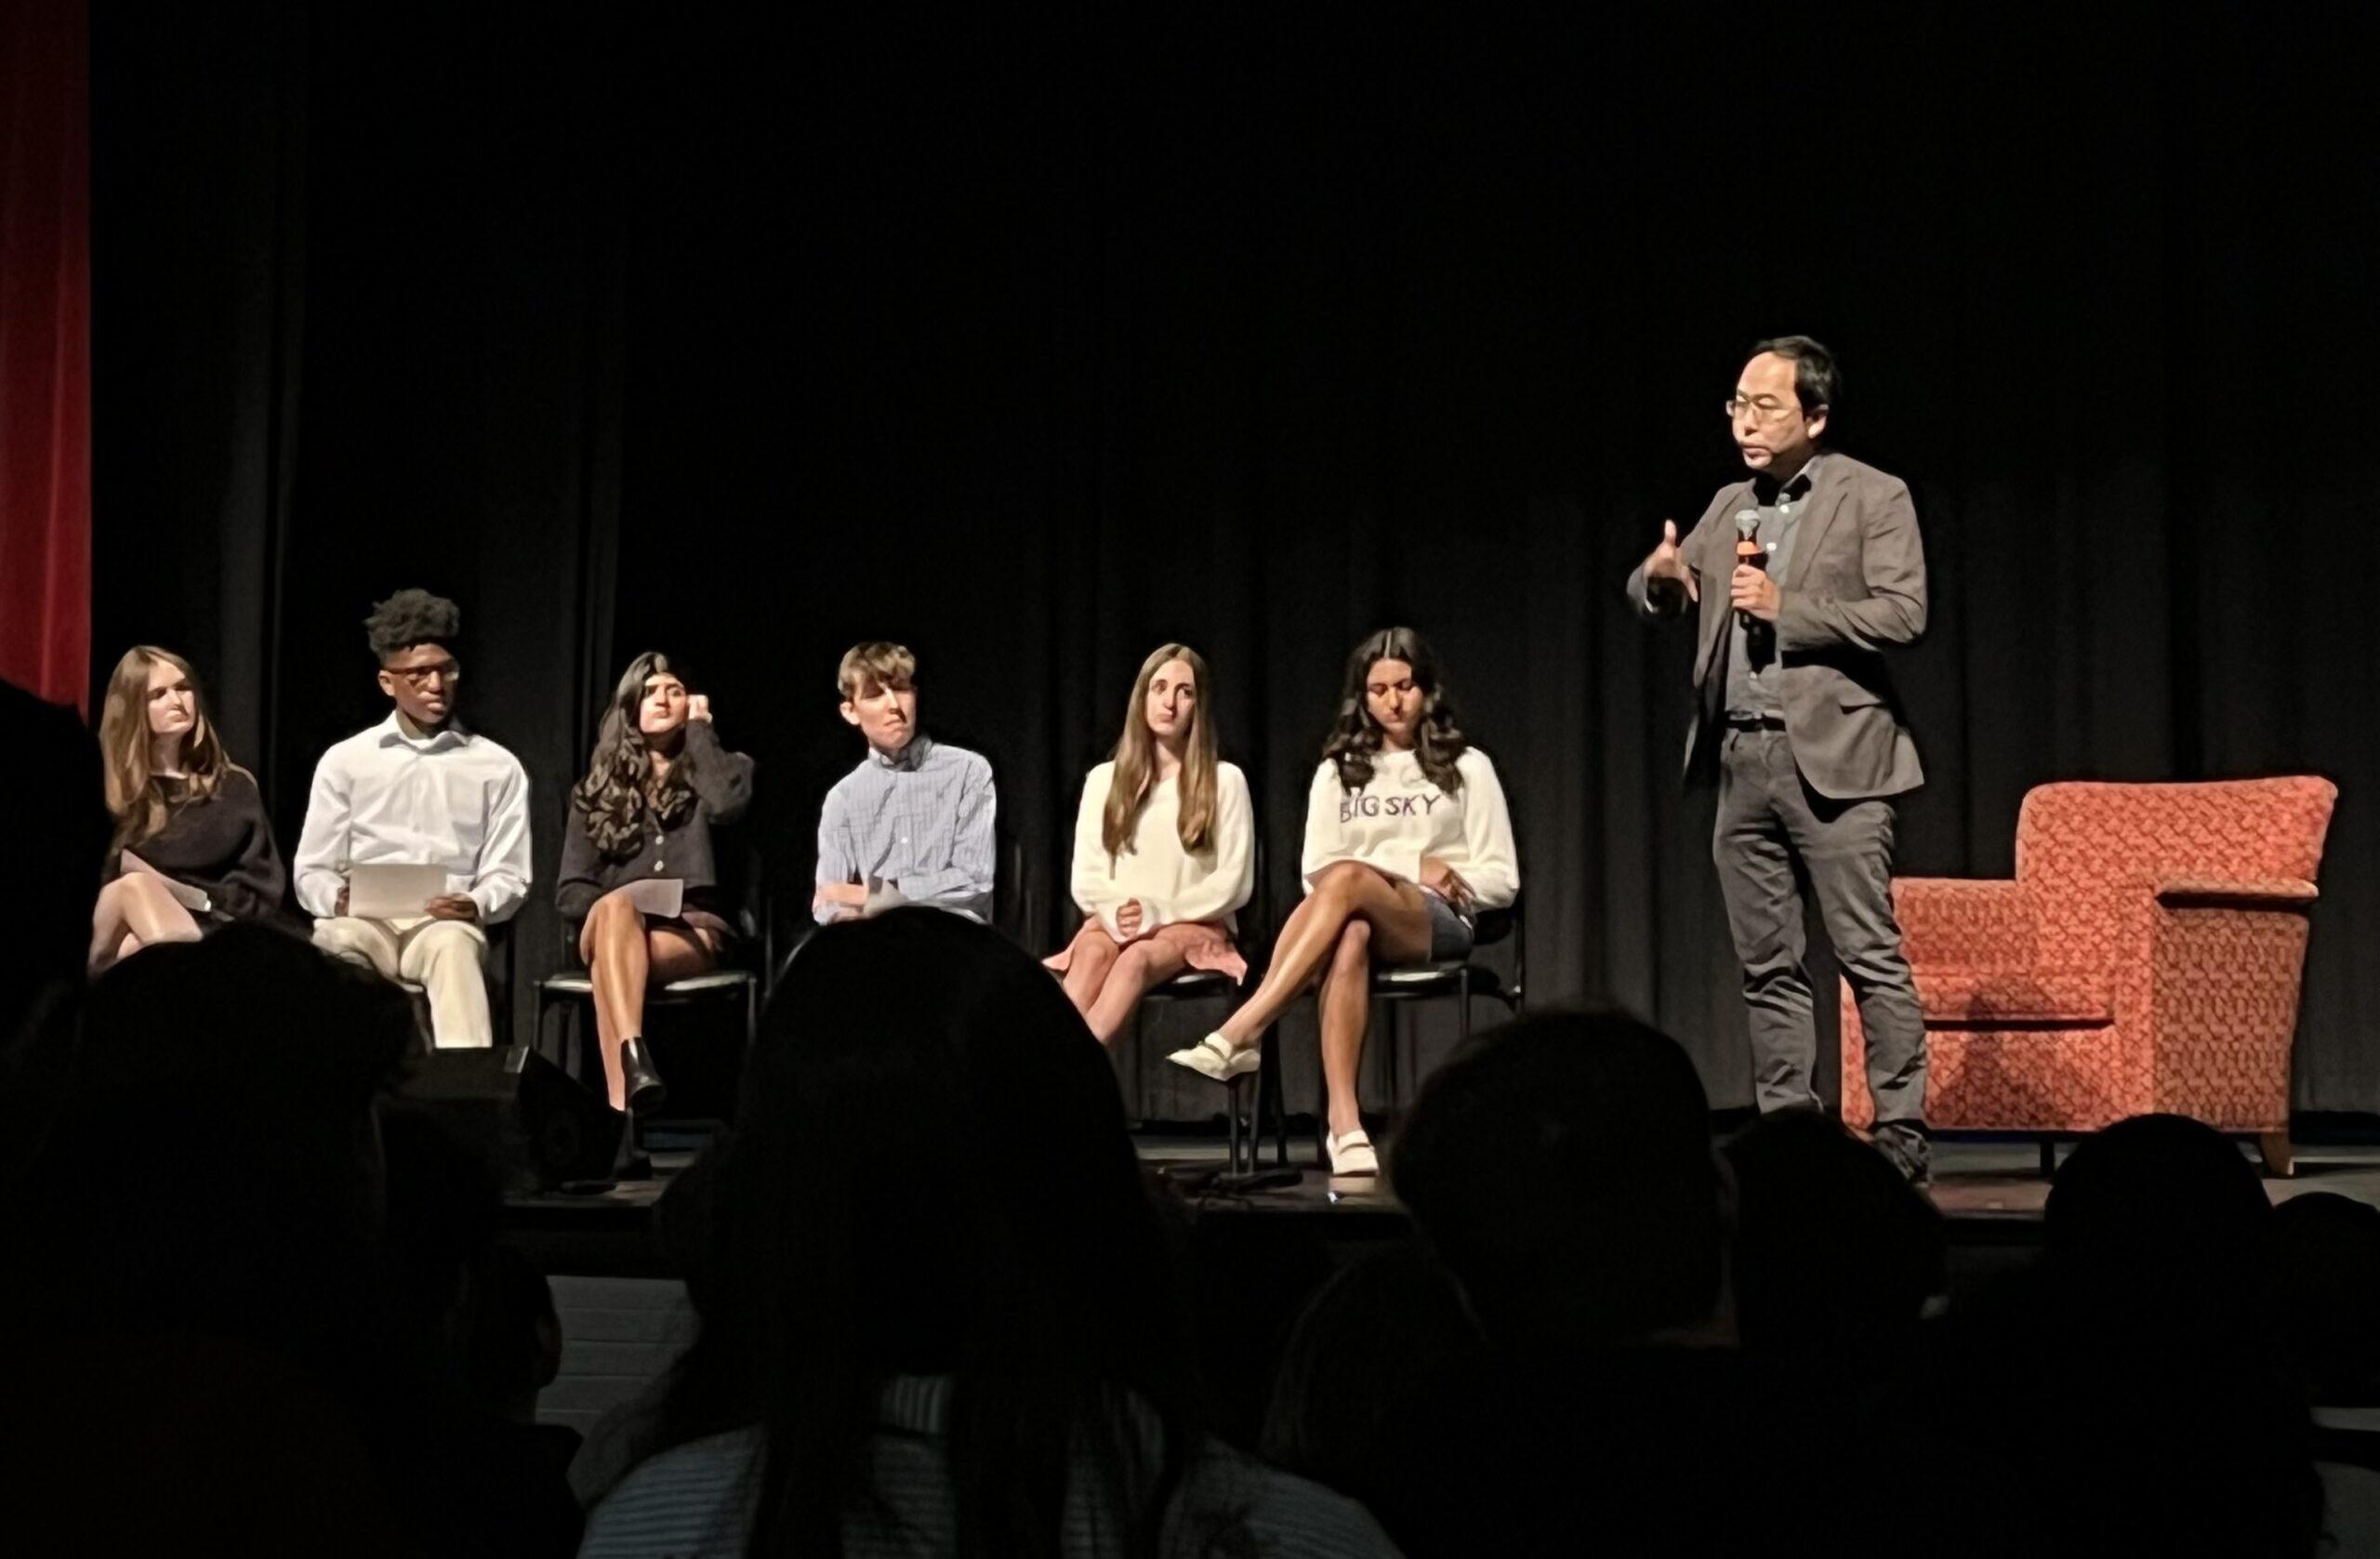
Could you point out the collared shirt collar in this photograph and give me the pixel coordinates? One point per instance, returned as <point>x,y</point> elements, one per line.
<point>452,733</point>
<point>911,758</point>
<point>1767,491</point>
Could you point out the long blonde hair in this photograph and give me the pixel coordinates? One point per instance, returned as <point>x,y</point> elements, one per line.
<point>136,797</point>
<point>1136,761</point>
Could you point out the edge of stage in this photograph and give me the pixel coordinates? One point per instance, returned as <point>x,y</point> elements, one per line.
<point>1991,1192</point>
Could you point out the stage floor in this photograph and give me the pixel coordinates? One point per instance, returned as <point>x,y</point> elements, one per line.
<point>1992,1192</point>
<point>1974,1181</point>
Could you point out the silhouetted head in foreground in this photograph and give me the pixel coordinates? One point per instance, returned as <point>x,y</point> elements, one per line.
<point>1836,1253</point>
<point>1562,1166</point>
<point>2163,1209</point>
<point>2326,1272</point>
<point>215,1164</point>
<point>2191,1432</point>
<point>932,1176</point>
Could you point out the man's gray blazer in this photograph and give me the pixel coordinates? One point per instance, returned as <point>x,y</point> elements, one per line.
<point>1855,585</point>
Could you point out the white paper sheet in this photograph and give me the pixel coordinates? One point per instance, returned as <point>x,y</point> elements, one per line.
<point>661,896</point>
<point>392,890</point>
<point>881,897</point>
<point>193,898</point>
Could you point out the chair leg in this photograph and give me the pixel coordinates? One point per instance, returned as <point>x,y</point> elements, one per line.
<point>1322,1108</point>
<point>583,1041</point>
<point>2281,1162</point>
<point>1268,1086</point>
<point>1232,1092</point>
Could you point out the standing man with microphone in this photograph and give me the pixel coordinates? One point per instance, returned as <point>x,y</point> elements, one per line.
<point>1801,577</point>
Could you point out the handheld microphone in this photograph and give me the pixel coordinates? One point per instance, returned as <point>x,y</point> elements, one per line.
<point>1749,552</point>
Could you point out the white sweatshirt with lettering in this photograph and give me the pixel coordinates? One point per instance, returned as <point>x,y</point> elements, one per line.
<point>1402,816</point>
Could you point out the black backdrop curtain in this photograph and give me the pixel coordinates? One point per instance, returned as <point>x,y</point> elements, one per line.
<point>1260,330</point>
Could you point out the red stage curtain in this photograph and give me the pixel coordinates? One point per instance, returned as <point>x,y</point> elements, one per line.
<point>45,349</point>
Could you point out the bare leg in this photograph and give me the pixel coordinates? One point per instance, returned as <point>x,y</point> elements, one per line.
<point>612,946</point>
<point>133,912</point>
<point>1400,933</point>
<point>618,962</point>
<point>1345,1006</point>
<point>1139,969</point>
<point>1090,958</point>
<point>623,956</point>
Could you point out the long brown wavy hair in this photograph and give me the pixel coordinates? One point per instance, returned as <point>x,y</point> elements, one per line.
<point>1136,761</point>
<point>1355,736</point>
<point>621,790</point>
<point>136,792</point>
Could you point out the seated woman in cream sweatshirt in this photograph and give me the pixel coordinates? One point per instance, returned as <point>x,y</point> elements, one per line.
<point>1164,849</point>
<point>1406,841</point>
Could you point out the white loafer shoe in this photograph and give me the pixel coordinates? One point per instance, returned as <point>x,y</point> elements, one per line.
<point>1215,1057</point>
<point>1353,1155</point>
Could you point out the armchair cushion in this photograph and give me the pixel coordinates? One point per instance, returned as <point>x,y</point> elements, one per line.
<point>2002,998</point>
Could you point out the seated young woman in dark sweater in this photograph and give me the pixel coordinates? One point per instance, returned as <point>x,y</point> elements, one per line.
<point>658,785</point>
<point>187,817</point>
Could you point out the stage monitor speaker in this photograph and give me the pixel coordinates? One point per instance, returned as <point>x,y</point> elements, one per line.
<point>531,1120</point>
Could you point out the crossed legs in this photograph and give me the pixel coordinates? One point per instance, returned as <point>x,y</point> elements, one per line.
<point>133,912</point>
<point>623,955</point>
<point>1354,919</point>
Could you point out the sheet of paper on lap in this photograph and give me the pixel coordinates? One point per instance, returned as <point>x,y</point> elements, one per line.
<point>195,900</point>
<point>392,890</point>
<point>662,897</point>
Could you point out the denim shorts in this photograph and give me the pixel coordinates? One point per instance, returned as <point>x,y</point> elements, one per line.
<point>1450,935</point>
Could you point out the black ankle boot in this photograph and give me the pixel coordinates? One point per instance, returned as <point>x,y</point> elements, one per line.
<point>644,1090</point>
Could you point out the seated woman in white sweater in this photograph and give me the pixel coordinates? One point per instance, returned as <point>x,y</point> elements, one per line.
<point>1407,840</point>
<point>1164,849</point>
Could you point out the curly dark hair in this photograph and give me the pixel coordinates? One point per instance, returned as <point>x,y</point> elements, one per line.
<point>620,791</point>
<point>411,617</point>
<point>1355,736</point>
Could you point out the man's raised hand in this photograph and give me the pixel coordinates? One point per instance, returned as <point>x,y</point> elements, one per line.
<point>1667,562</point>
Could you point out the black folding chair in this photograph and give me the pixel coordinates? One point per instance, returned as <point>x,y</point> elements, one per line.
<point>1242,1114</point>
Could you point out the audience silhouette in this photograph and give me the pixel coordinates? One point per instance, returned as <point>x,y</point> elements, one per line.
<point>938,1310</point>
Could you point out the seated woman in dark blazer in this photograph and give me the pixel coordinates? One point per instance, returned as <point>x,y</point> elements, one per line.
<point>193,850</point>
<point>658,784</point>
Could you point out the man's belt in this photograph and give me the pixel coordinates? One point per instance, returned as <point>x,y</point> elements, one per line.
<point>1755,722</point>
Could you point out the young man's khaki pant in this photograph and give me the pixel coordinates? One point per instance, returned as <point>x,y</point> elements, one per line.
<point>444,958</point>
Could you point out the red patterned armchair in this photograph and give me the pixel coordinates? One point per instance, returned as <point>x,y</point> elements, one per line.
<point>2147,958</point>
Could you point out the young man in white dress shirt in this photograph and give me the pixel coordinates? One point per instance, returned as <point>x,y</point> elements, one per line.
<point>419,789</point>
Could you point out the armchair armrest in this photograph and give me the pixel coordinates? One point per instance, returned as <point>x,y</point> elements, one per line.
<point>2247,892</point>
<point>1965,923</point>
